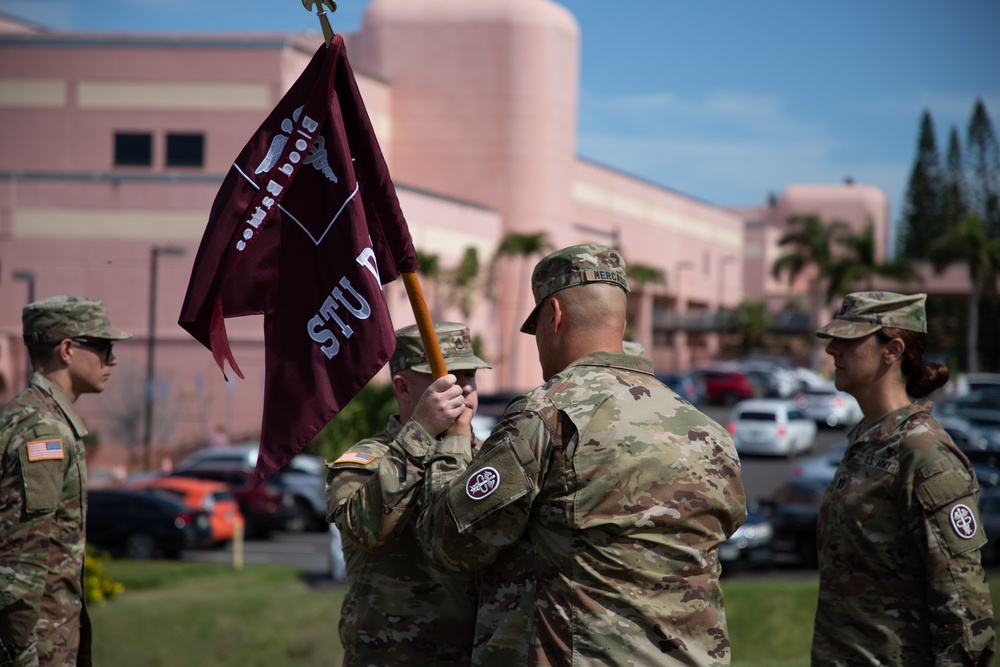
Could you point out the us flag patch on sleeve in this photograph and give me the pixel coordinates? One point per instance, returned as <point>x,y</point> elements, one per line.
<point>355,457</point>
<point>45,450</point>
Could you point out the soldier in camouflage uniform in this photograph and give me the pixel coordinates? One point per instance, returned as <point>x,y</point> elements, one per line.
<point>43,496</point>
<point>899,531</point>
<point>400,608</point>
<point>595,509</point>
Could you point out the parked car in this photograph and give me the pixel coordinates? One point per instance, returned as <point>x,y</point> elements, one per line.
<point>265,508</point>
<point>819,467</point>
<point>793,510</point>
<point>305,479</point>
<point>989,513</point>
<point>822,468</point>
<point>967,383</point>
<point>973,420</point>
<point>807,377</point>
<point>778,378</point>
<point>771,426</point>
<point>212,497</point>
<point>828,406</point>
<point>482,426</point>
<point>750,546</point>
<point>684,385</point>
<point>143,524</point>
<point>302,483</point>
<point>726,386</point>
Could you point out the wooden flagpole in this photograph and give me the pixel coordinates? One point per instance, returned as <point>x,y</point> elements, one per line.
<point>425,325</point>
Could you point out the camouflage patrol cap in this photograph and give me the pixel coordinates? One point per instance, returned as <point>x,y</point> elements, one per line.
<point>456,348</point>
<point>576,265</point>
<point>58,317</point>
<point>863,313</point>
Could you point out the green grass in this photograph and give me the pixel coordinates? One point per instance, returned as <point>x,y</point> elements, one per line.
<point>770,620</point>
<point>182,614</point>
<point>185,614</point>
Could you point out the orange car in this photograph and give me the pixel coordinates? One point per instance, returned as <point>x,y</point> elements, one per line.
<point>213,497</point>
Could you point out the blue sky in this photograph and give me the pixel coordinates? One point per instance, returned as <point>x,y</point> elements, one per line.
<point>724,101</point>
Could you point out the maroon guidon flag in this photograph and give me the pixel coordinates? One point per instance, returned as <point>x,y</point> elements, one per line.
<point>305,229</point>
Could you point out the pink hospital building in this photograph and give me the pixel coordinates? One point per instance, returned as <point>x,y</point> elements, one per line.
<point>114,146</point>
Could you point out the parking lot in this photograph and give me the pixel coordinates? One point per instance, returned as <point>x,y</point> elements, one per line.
<point>310,552</point>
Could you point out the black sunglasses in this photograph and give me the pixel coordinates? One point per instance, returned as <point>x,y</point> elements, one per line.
<point>105,346</point>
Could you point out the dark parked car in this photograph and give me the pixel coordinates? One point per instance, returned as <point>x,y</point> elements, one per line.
<point>684,385</point>
<point>750,546</point>
<point>144,524</point>
<point>793,510</point>
<point>989,512</point>
<point>794,507</point>
<point>725,386</point>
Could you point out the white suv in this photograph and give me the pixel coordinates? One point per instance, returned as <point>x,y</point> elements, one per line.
<point>771,426</point>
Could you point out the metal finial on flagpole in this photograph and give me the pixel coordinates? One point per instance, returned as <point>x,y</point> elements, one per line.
<point>321,13</point>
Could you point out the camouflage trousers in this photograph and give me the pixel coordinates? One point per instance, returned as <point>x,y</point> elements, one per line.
<point>54,644</point>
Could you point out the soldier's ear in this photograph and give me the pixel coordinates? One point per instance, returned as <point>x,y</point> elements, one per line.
<point>399,384</point>
<point>64,351</point>
<point>893,350</point>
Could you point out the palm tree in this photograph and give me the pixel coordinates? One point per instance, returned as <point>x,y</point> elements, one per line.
<point>858,264</point>
<point>640,275</point>
<point>465,278</point>
<point>753,321</point>
<point>430,268</point>
<point>522,246</point>
<point>970,242</point>
<point>811,244</point>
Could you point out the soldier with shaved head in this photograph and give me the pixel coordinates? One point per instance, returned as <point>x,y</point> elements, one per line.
<point>594,511</point>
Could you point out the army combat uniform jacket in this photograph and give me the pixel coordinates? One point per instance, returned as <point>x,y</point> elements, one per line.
<point>899,536</point>
<point>596,507</point>
<point>400,608</point>
<point>43,505</point>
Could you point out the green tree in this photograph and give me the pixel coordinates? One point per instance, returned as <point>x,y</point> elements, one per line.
<point>970,243</point>
<point>983,160</point>
<point>464,282</point>
<point>858,263</point>
<point>430,268</point>
<point>365,415</point>
<point>811,242</point>
<point>953,186</point>
<point>753,321</point>
<point>521,247</point>
<point>921,220</point>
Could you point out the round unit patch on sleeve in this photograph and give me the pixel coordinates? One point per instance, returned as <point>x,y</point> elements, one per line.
<point>482,483</point>
<point>963,521</point>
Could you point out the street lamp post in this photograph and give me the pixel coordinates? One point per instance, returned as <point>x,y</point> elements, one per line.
<point>725,259</point>
<point>147,437</point>
<point>29,278</point>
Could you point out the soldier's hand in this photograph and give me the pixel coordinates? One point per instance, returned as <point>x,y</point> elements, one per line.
<point>463,424</point>
<point>440,405</point>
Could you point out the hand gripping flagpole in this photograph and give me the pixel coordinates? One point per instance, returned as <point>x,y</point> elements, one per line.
<point>425,325</point>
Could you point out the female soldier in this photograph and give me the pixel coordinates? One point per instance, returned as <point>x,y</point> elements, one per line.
<point>899,533</point>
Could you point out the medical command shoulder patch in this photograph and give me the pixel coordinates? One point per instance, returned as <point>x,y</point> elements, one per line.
<point>45,450</point>
<point>361,458</point>
<point>963,521</point>
<point>482,483</point>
